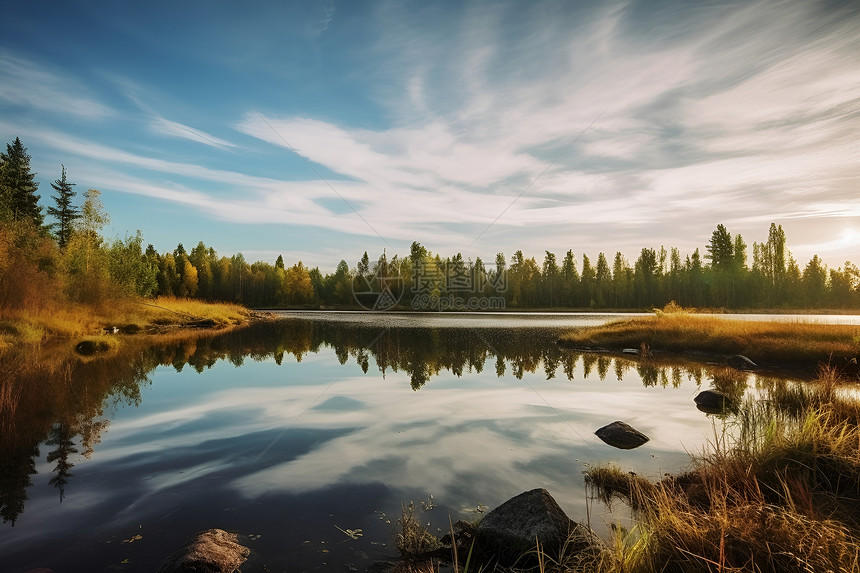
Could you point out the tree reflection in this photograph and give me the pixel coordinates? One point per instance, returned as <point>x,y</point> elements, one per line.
<point>51,397</point>
<point>61,436</point>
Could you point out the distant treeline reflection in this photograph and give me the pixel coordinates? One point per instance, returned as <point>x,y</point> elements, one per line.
<point>61,402</point>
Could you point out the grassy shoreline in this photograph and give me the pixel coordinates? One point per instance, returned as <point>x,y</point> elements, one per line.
<point>800,345</point>
<point>780,493</point>
<point>147,316</point>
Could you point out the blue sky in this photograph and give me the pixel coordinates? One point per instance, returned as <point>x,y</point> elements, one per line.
<point>321,129</point>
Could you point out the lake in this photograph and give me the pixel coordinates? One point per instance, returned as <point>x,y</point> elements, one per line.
<point>295,432</point>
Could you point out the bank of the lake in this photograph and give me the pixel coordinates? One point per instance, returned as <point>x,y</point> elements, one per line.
<point>779,494</point>
<point>96,323</point>
<point>797,345</point>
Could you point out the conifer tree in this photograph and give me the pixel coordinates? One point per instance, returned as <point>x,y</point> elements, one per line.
<point>65,213</point>
<point>18,199</point>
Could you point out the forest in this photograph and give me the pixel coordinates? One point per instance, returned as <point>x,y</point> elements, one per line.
<point>59,253</point>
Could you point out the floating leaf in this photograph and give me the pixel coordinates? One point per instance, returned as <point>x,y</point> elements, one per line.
<point>133,539</point>
<point>351,533</point>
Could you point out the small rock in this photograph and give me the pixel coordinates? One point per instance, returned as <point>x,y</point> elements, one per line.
<point>211,551</point>
<point>621,435</point>
<point>464,534</point>
<point>713,402</point>
<point>740,362</point>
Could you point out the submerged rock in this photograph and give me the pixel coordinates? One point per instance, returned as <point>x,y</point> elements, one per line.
<point>740,362</point>
<point>713,402</point>
<point>621,435</point>
<point>511,530</point>
<point>90,347</point>
<point>211,551</point>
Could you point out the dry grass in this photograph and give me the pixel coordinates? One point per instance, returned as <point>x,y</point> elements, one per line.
<point>779,493</point>
<point>74,320</point>
<point>172,310</point>
<point>414,542</point>
<point>800,343</point>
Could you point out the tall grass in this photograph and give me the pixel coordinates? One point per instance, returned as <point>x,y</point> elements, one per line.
<point>779,492</point>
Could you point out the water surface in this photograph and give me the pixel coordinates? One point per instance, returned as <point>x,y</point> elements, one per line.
<point>295,431</point>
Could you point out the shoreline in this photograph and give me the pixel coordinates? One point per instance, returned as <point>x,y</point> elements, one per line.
<point>780,345</point>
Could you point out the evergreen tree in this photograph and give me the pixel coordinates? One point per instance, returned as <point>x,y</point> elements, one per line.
<point>569,279</point>
<point>645,276</point>
<point>550,280</point>
<point>696,278</point>
<point>18,199</point>
<point>588,283</point>
<point>621,281</point>
<point>720,249</point>
<point>604,281</point>
<point>65,213</point>
<point>814,282</point>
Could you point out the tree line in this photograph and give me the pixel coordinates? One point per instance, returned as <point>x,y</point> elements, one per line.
<point>71,251</point>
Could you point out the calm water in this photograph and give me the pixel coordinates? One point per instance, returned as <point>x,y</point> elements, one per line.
<point>295,431</point>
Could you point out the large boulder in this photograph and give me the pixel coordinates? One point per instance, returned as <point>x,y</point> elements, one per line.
<point>621,435</point>
<point>713,402</point>
<point>509,532</point>
<point>211,551</point>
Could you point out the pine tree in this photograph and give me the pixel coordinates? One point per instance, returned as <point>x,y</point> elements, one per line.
<point>65,213</point>
<point>18,199</point>
<point>720,249</point>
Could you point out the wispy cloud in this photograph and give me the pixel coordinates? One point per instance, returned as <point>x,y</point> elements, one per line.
<point>175,129</point>
<point>734,113</point>
<point>710,125</point>
<point>30,84</point>
<point>163,126</point>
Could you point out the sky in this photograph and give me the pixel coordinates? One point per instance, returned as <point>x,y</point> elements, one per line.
<point>320,129</point>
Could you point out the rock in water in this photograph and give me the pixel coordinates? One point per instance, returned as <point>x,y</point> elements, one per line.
<point>508,532</point>
<point>211,551</point>
<point>713,402</point>
<point>621,435</point>
<point>740,362</point>
<point>90,347</point>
